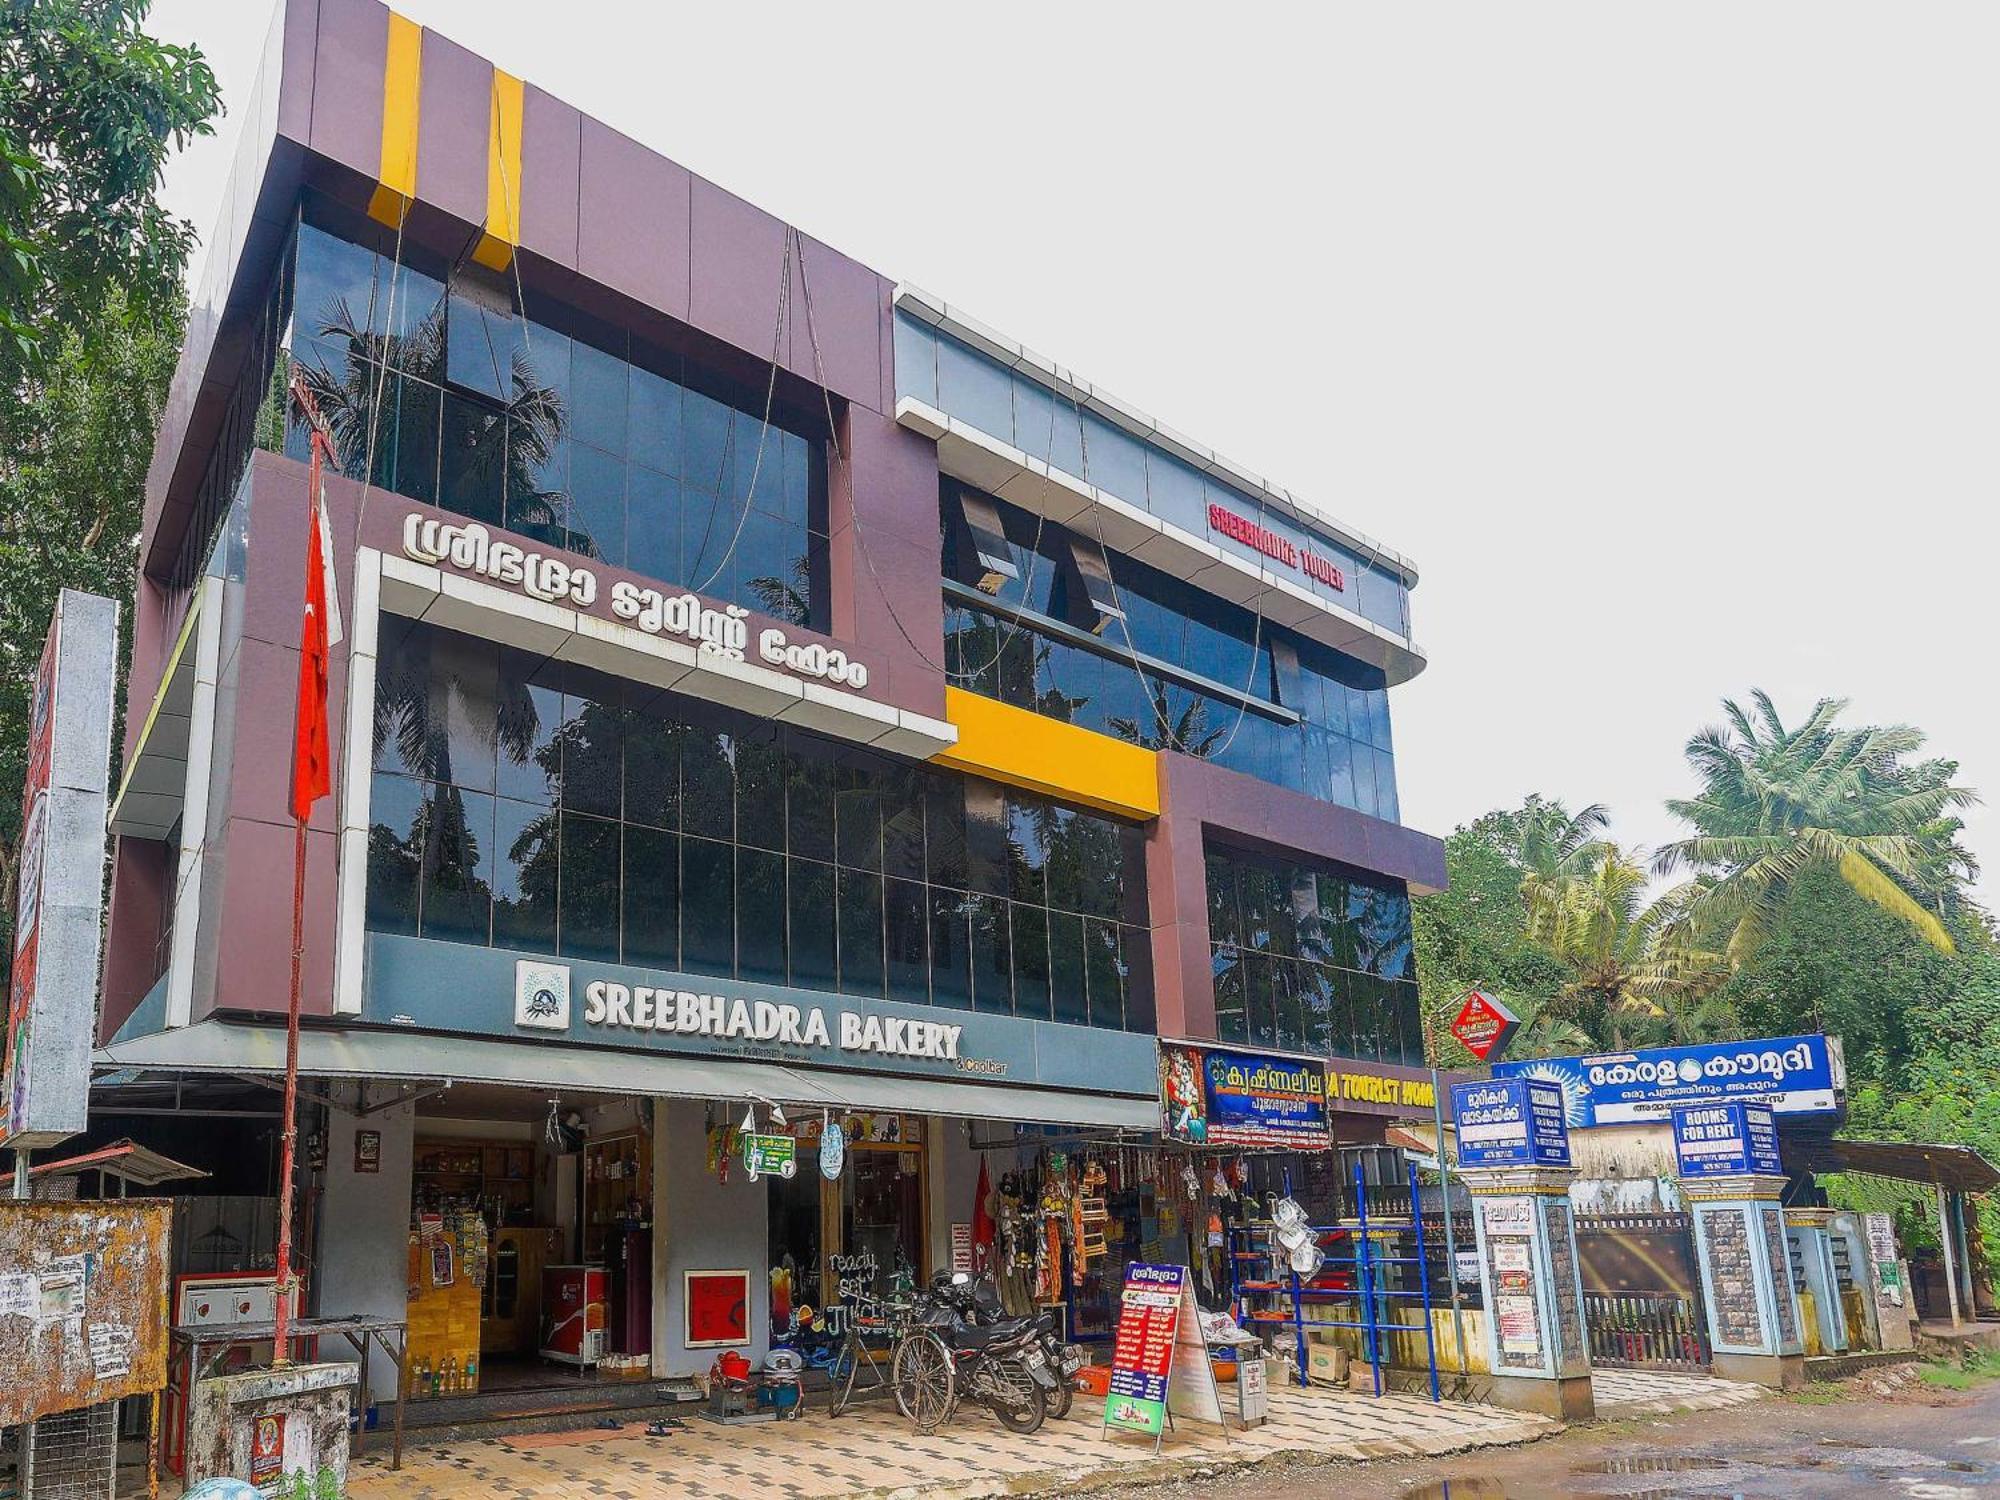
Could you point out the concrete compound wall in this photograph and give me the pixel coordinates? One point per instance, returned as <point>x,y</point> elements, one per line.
<point>364,1238</point>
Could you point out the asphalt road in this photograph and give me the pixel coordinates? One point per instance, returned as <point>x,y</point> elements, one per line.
<point>1875,1438</point>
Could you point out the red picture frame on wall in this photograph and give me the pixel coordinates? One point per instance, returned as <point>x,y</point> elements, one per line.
<point>717,1309</point>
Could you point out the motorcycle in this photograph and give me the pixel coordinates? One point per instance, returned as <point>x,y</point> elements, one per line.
<point>978,1302</point>
<point>952,1356</point>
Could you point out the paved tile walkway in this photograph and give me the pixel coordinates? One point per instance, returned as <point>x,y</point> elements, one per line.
<point>873,1451</point>
<point>1654,1393</point>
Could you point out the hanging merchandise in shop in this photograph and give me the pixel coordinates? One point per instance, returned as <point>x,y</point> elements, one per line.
<point>1243,1099</point>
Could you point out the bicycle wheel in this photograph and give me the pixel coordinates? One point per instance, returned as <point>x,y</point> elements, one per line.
<point>841,1375</point>
<point>926,1385</point>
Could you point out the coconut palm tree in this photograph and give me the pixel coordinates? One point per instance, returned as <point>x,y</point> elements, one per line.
<point>1776,802</point>
<point>1629,959</point>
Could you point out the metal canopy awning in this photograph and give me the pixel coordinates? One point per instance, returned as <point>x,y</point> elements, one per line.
<point>125,1160</point>
<point>1959,1168</point>
<point>215,1046</point>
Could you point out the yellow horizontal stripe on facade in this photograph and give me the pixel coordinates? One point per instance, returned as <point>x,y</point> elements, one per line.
<point>402,86</point>
<point>503,174</point>
<point>1024,749</point>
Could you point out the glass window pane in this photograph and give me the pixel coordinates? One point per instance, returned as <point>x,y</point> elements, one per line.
<point>1262,1021</point>
<point>1105,973</point>
<point>593,752</point>
<point>944,829</point>
<point>810,908</point>
<point>1364,777</point>
<point>706,526</point>
<point>591,866</point>
<point>597,505</point>
<point>654,438</point>
<point>479,347</point>
<point>406,439</point>
<point>858,816</point>
<point>1289,979</point>
<point>1031,961</point>
<point>652,524</point>
<point>653,770</point>
<point>708,907</point>
<point>597,399</point>
<point>1066,969</point>
<point>988,862</point>
<point>906,917</point>
<point>860,933</point>
<point>708,782</point>
<point>760,916</point>
<point>1027,851</point>
<point>809,799</point>
<point>1231,1012</point>
<point>463,690</point>
<point>473,460</point>
<point>1138,952</point>
<point>992,955</point>
<point>951,976</point>
<point>334,292</point>
<point>525,860</point>
<point>530,718</point>
<point>705,429</point>
<point>652,904</point>
<point>396,817</point>
<point>902,824</point>
<point>761,772</point>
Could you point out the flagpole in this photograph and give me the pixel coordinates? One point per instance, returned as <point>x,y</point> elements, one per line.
<point>281,1350</point>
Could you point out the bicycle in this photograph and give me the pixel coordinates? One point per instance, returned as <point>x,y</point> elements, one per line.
<point>852,1354</point>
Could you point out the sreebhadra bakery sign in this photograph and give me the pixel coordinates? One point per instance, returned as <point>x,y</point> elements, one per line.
<point>614,1011</point>
<point>469,547</point>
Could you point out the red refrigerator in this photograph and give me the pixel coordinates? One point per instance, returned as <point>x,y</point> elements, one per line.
<point>573,1312</point>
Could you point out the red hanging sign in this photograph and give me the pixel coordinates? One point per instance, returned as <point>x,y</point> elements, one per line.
<point>1484,1026</point>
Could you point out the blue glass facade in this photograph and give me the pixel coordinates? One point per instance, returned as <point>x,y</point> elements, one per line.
<point>527,804</point>
<point>564,430</point>
<point>1310,959</point>
<point>1277,706</point>
<point>938,370</point>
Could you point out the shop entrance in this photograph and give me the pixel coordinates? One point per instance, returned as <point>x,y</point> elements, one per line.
<point>840,1247</point>
<point>530,1254</point>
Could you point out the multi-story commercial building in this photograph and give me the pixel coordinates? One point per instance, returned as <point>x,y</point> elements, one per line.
<point>761,683</point>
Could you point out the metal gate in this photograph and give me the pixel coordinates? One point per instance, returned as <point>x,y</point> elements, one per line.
<point>1642,1291</point>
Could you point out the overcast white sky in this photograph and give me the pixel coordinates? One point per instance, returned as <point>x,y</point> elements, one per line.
<point>1664,337</point>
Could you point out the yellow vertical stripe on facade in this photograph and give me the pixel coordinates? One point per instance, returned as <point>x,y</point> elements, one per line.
<point>503,174</point>
<point>402,85</point>
<point>1012,745</point>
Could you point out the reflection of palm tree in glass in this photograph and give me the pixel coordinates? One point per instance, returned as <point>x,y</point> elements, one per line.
<point>418,691</point>
<point>1187,731</point>
<point>786,598</point>
<point>511,456</point>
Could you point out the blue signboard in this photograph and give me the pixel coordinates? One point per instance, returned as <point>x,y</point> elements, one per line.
<point>1795,1075</point>
<point>1245,1099</point>
<point>1510,1122</point>
<point>1715,1140</point>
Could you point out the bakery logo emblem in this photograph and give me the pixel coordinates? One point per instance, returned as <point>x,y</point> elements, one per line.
<point>541,995</point>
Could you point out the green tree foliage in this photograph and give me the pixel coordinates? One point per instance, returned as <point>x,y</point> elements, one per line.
<point>91,306</point>
<point>90,105</point>
<point>1777,803</point>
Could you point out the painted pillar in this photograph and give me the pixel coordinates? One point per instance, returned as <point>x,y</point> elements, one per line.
<point>1535,1341</point>
<point>1948,1242</point>
<point>1746,1279</point>
<point>1513,1156</point>
<point>1812,1228</point>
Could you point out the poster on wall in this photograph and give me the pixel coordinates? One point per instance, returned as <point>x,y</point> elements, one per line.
<point>1217,1097</point>
<point>717,1305</point>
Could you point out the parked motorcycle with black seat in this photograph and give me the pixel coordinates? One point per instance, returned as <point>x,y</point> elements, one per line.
<point>978,1302</point>
<point>1001,1363</point>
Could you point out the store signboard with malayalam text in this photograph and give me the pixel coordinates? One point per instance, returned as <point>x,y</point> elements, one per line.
<point>1213,1096</point>
<point>495,992</point>
<point>1732,1137</point>
<point>1795,1075</point>
<point>1510,1122</point>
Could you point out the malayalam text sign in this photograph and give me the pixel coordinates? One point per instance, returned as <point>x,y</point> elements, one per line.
<point>1732,1137</point>
<point>1510,1122</point>
<point>1795,1075</point>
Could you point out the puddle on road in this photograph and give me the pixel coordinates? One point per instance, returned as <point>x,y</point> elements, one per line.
<point>1857,1469</point>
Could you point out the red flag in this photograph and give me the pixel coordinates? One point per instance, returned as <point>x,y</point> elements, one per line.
<point>983,1228</point>
<point>312,755</point>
